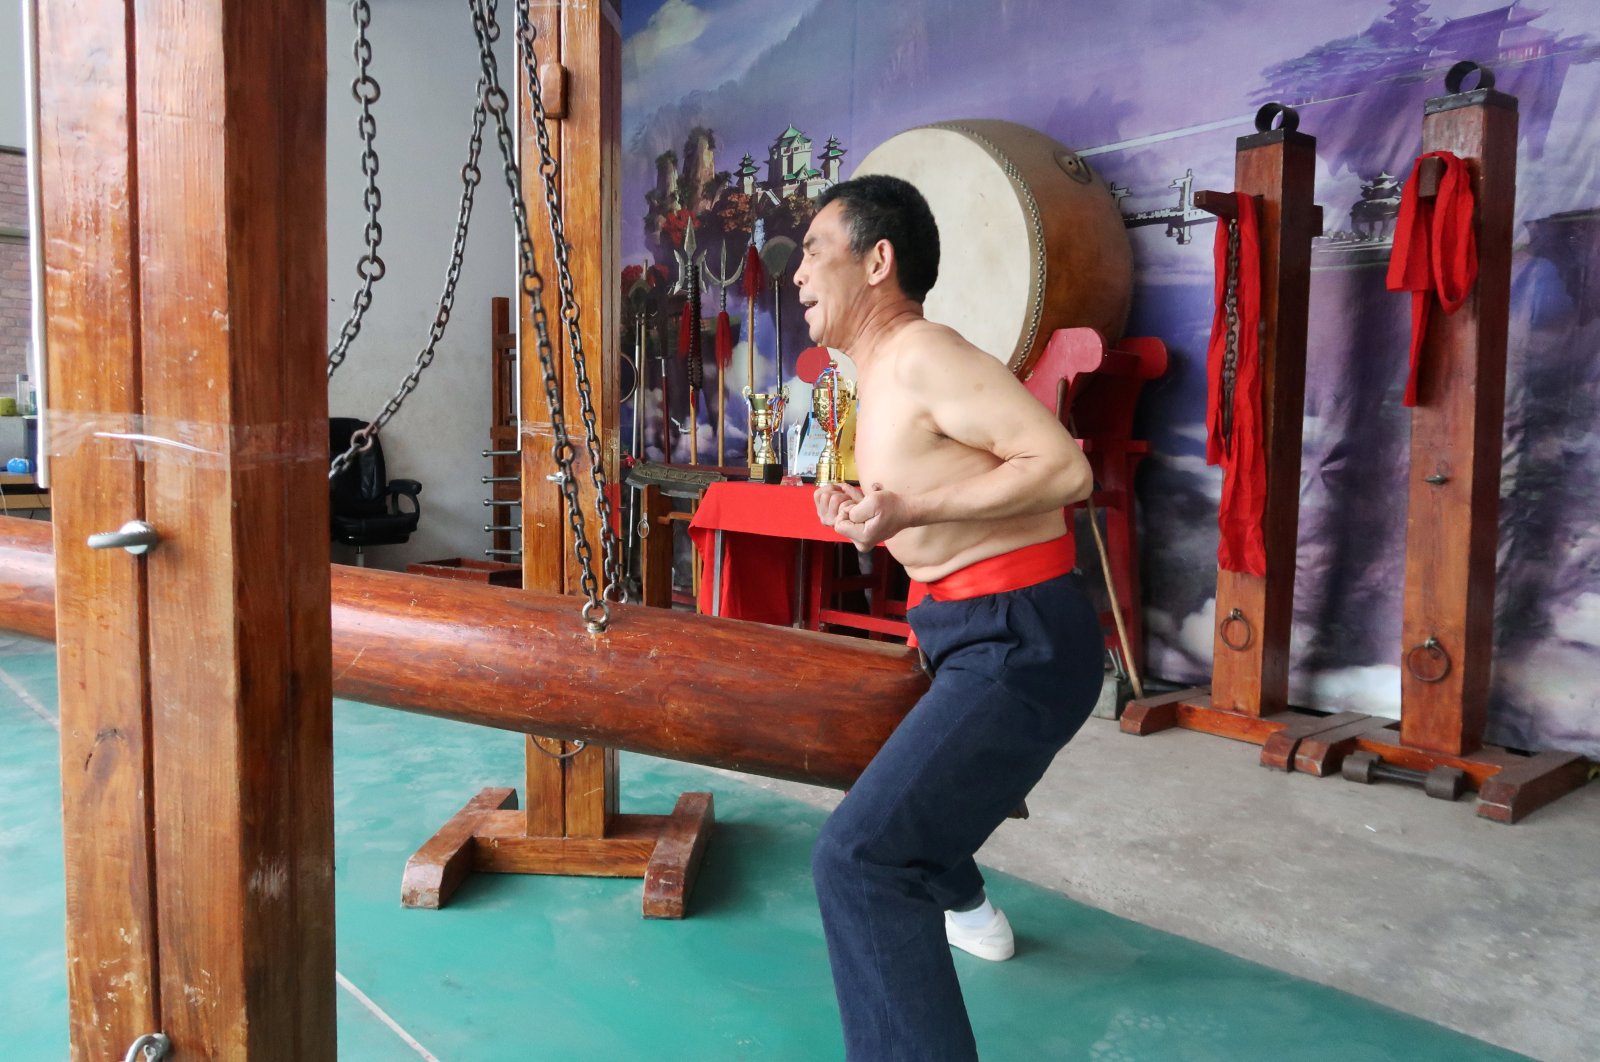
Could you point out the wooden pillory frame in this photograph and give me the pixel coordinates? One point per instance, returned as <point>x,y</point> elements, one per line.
<point>1452,523</point>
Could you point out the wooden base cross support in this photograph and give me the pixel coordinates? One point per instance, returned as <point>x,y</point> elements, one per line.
<point>1285,737</point>
<point>489,835</point>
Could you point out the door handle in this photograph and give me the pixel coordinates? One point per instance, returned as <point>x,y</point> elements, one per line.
<point>135,536</point>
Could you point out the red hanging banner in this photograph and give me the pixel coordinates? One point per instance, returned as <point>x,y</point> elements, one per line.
<point>1234,429</point>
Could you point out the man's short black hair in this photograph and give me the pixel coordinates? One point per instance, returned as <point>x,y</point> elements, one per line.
<point>879,207</point>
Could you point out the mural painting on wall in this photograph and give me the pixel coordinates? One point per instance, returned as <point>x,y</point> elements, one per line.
<point>712,81</point>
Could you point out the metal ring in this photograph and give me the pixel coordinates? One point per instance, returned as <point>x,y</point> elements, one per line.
<point>1236,616</point>
<point>361,439</point>
<point>596,616</point>
<point>1458,73</point>
<point>1269,111</point>
<point>1433,649</point>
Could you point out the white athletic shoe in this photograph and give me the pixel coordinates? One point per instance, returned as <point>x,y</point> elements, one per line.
<point>994,941</point>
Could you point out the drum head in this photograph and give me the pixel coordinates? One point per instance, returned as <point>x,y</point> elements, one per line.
<point>1030,239</point>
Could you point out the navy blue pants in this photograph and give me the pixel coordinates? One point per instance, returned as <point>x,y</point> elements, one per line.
<point>1015,676</point>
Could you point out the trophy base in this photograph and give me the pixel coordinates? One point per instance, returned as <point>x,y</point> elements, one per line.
<point>765,472</point>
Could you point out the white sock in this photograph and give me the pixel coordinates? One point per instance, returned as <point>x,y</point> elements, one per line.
<point>976,918</point>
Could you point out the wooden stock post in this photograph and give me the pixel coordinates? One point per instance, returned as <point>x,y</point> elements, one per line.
<point>571,824</point>
<point>1452,524</point>
<point>1250,668</point>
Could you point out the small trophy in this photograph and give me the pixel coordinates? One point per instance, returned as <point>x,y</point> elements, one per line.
<point>831,396</point>
<point>766,417</point>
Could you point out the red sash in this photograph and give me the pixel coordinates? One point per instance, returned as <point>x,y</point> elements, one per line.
<point>1435,250</point>
<point>1025,566</point>
<point>1241,453</point>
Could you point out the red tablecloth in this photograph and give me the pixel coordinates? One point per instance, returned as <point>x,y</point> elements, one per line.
<point>761,524</point>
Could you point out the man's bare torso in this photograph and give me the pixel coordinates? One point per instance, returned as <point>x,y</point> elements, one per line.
<point>899,447</point>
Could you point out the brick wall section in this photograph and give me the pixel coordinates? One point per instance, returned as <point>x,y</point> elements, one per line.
<point>14,299</point>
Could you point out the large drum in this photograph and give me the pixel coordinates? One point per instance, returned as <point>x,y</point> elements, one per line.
<point>1030,237</point>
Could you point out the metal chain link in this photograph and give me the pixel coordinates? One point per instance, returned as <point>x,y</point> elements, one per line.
<point>1230,347</point>
<point>369,267</point>
<point>362,439</point>
<point>549,168</point>
<point>596,612</point>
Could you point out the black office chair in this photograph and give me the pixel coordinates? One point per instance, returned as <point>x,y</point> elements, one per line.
<point>363,503</point>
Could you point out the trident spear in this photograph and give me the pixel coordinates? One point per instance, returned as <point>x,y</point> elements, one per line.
<point>724,349</point>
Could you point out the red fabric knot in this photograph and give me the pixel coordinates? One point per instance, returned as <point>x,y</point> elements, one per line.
<point>1435,250</point>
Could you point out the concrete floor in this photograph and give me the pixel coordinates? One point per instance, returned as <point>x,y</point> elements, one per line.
<point>1380,891</point>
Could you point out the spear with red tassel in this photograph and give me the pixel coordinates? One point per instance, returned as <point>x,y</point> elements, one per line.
<point>724,348</point>
<point>755,278</point>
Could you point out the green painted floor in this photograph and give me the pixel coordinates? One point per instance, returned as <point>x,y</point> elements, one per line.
<point>525,968</point>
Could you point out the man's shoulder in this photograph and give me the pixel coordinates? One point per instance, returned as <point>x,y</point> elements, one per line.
<point>931,348</point>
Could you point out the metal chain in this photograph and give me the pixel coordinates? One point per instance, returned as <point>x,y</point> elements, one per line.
<point>596,612</point>
<point>549,168</point>
<point>1230,348</point>
<point>369,267</point>
<point>362,439</point>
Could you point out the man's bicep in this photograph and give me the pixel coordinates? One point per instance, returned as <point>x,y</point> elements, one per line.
<point>989,410</point>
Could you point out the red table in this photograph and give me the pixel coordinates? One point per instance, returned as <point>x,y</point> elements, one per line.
<point>746,534</point>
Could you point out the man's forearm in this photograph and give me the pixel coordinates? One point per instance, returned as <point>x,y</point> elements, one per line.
<point>1019,487</point>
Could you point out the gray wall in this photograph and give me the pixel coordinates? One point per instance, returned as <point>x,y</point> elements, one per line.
<point>425,59</point>
<point>11,127</point>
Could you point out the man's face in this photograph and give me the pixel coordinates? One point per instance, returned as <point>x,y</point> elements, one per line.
<point>832,281</point>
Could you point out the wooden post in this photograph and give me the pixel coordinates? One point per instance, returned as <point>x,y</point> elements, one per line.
<point>571,824</point>
<point>1250,664</point>
<point>1452,525</point>
<point>182,159</point>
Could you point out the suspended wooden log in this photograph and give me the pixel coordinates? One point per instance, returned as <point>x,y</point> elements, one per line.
<point>766,700</point>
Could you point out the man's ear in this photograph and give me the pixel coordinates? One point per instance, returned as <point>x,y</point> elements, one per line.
<point>880,262</point>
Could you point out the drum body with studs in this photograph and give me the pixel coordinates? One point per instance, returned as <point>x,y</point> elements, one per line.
<point>1030,238</point>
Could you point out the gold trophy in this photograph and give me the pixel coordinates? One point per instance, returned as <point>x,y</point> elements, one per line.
<point>766,417</point>
<point>831,396</point>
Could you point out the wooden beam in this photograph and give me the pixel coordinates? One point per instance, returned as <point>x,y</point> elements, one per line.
<point>89,195</point>
<point>522,661</point>
<point>231,99</point>
<point>184,217</point>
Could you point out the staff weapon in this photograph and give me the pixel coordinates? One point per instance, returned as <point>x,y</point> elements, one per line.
<point>689,337</point>
<point>724,349</point>
<point>754,281</point>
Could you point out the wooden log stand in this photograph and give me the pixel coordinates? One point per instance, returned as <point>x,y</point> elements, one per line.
<point>1452,523</point>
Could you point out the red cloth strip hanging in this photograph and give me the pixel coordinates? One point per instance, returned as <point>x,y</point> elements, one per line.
<point>724,340</point>
<point>755,274</point>
<point>1435,250</point>
<point>1242,452</point>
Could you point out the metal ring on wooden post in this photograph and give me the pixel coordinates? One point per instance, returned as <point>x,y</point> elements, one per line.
<point>1437,652</point>
<point>1458,74</point>
<point>1287,117</point>
<point>1236,616</point>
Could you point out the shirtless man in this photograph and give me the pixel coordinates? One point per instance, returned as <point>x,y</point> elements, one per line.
<point>965,476</point>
